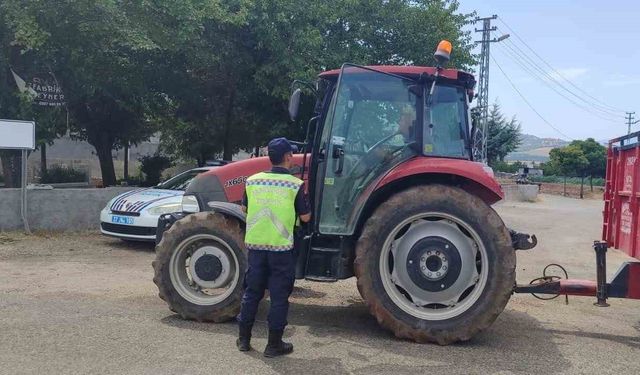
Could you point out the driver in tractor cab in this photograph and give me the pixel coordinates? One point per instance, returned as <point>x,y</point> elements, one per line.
<point>273,202</point>
<point>404,135</point>
<point>405,127</point>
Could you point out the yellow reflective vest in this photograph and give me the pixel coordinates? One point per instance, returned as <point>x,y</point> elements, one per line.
<point>271,213</point>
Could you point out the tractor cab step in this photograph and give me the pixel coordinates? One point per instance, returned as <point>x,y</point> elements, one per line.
<point>326,264</point>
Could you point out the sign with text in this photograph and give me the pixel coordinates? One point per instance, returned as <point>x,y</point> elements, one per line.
<point>48,92</point>
<point>16,134</point>
<point>44,89</point>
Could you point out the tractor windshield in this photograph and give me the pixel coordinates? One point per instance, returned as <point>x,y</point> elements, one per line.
<point>371,126</point>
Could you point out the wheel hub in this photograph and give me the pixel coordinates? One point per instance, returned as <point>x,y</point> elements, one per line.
<point>433,263</point>
<point>209,267</point>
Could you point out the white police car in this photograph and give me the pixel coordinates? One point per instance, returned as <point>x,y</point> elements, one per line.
<point>134,215</point>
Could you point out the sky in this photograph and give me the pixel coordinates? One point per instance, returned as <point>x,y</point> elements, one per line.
<point>593,44</point>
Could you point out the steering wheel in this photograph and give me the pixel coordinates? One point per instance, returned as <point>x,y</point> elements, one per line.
<point>347,194</point>
<point>364,160</point>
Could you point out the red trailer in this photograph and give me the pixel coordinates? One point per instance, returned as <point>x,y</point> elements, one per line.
<point>620,215</point>
<point>619,230</point>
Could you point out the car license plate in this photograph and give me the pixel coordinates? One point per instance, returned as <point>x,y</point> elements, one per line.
<point>121,220</point>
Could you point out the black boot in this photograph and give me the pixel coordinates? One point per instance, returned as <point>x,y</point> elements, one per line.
<point>244,339</point>
<point>275,346</point>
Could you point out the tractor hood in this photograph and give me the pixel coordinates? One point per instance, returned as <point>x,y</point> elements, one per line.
<point>226,183</point>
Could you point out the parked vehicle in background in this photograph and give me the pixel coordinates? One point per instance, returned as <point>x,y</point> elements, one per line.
<point>216,162</point>
<point>134,215</point>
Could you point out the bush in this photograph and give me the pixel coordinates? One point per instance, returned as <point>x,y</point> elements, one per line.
<point>152,167</point>
<point>501,166</point>
<point>132,181</point>
<point>59,174</point>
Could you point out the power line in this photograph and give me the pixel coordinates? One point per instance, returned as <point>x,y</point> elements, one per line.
<point>529,61</point>
<point>512,54</point>
<point>480,136</point>
<point>558,73</point>
<point>630,118</point>
<point>527,102</point>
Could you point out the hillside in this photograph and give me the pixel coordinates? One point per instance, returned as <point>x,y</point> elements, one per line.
<point>535,148</point>
<point>531,142</point>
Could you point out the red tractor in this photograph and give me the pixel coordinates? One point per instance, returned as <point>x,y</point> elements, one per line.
<point>397,201</point>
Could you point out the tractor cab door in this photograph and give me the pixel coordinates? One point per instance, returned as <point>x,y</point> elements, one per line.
<point>371,125</point>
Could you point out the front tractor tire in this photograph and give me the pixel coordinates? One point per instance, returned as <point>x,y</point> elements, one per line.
<point>199,266</point>
<point>435,264</point>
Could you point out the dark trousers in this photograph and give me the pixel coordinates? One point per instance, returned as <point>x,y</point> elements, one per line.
<point>268,270</point>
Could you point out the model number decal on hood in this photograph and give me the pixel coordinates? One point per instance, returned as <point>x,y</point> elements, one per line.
<point>235,181</point>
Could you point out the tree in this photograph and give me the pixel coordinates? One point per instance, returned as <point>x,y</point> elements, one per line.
<point>214,74</point>
<point>596,155</point>
<point>236,97</point>
<point>504,136</point>
<point>569,161</point>
<point>95,49</point>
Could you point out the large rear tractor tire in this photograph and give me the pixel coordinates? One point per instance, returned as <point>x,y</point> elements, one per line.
<point>435,264</point>
<point>199,266</point>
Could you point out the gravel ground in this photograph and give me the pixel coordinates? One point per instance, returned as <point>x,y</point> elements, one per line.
<point>83,303</point>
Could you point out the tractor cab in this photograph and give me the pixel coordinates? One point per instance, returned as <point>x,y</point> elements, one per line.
<point>375,118</point>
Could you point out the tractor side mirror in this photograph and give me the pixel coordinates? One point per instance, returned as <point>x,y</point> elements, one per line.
<point>294,104</point>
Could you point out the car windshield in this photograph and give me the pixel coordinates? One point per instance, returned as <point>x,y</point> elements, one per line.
<point>179,182</point>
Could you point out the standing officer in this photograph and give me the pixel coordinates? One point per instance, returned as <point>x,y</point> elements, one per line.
<point>273,200</point>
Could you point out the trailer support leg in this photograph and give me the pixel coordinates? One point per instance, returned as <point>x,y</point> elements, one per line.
<point>600,248</point>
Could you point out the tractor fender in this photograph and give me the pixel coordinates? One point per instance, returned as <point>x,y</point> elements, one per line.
<point>470,176</point>
<point>166,221</point>
<point>227,208</point>
<point>473,177</point>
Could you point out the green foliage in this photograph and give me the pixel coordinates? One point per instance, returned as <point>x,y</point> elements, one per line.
<point>501,166</point>
<point>213,76</point>
<point>596,155</point>
<point>152,166</point>
<point>569,161</point>
<point>549,169</point>
<point>60,174</point>
<point>231,81</point>
<point>504,136</point>
<point>579,158</point>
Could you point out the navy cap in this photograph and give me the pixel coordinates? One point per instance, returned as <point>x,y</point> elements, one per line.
<point>280,146</point>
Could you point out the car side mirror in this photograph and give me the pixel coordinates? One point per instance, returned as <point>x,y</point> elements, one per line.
<point>294,104</point>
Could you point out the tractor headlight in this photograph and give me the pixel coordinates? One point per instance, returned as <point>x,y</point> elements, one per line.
<point>190,204</point>
<point>165,209</point>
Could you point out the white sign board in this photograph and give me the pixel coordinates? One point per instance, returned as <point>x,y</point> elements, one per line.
<point>17,134</point>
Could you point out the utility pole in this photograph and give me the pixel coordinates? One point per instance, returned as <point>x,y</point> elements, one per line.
<point>630,118</point>
<point>481,133</point>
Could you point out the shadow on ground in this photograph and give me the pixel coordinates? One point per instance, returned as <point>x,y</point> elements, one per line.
<point>347,339</point>
<point>118,244</point>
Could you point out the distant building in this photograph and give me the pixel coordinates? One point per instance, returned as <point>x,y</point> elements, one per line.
<point>533,172</point>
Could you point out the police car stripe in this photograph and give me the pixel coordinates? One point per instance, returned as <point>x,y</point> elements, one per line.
<point>120,201</point>
<point>145,205</point>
